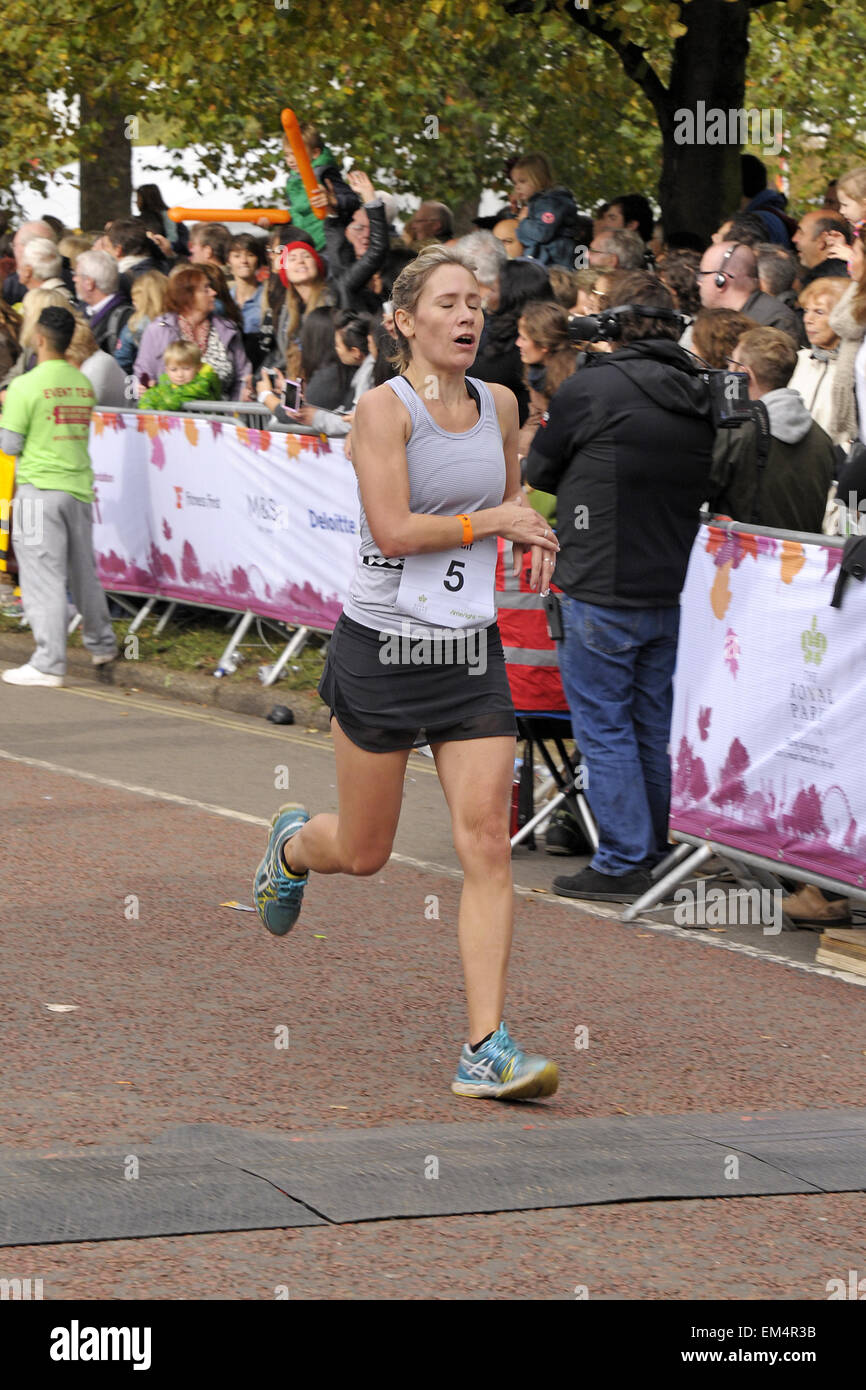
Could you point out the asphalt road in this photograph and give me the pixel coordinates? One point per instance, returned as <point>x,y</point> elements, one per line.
<point>129,820</point>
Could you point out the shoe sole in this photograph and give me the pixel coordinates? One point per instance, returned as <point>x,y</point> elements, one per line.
<point>560,849</point>
<point>601,897</point>
<point>542,1083</point>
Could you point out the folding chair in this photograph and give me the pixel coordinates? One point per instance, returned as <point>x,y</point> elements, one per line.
<point>537,729</point>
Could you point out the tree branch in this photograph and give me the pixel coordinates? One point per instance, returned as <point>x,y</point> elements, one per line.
<point>633,58</point>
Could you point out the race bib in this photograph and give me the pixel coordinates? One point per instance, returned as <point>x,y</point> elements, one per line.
<point>451,588</point>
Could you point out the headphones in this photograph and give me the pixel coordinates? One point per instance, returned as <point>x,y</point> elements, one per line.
<point>720,277</point>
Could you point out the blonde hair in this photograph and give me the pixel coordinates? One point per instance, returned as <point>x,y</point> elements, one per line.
<point>830,287</point>
<point>148,296</point>
<point>408,287</point>
<point>537,168</point>
<point>771,354</point>
<point>32,305</point>
<point>853,184</point>
<point>73,244</point>
<point>83,344</point>
<point>180,353</point>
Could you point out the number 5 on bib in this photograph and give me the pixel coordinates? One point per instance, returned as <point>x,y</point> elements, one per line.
<point>451,588</point>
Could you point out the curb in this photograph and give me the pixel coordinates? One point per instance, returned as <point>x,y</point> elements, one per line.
<point>228,693</point>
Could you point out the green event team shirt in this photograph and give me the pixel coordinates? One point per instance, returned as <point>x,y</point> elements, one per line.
<point>50,406</point>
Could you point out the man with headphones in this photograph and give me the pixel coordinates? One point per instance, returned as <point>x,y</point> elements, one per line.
<point>627,447</point>
<point>728,279</point>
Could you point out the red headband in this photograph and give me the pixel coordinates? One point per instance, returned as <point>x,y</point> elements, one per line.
<point>301,246</point>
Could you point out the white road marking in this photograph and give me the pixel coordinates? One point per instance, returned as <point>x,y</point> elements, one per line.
<point>585,910</point>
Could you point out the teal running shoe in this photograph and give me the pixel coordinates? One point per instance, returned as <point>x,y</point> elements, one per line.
<point>279,894</point>
<point>500,1070</point>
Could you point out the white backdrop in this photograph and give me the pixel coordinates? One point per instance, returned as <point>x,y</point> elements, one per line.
<point>769,722</point>
<point>207,511</point>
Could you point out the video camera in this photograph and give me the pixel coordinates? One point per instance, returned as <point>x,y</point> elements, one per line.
<point>729,391</point>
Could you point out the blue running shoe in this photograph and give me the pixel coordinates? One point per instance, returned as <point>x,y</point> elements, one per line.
<point>279,894</point>
<point>501,1071</point>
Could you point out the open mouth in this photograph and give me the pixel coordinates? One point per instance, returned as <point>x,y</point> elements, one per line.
<point>466,340</point>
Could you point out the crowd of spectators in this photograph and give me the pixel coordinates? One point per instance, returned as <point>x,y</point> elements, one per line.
<point>298,315</point>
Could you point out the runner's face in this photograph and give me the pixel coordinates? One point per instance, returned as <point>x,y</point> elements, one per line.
<point>446,325</point>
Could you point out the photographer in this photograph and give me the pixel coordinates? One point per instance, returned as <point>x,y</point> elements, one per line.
<point>627,447</point>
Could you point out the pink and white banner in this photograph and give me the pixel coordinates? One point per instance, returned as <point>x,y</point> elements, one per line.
<point>208,511</point>
<point>769,721</point>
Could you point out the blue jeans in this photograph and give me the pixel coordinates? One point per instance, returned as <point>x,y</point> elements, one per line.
<point>617,667</point>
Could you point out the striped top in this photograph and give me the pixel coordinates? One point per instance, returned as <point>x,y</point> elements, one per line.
<point>448,474</point>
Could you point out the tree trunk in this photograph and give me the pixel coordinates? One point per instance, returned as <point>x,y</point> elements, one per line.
<point>464,211</point>
<point>700,183</point>
<point>105,152</point>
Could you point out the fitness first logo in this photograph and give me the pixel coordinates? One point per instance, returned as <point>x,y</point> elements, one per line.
<point>182,499</point>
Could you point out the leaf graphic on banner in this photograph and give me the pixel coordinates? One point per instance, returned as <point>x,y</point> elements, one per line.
<point>293,446</point>
<point>704,716</point>
<point>190,570</point>
<point>190,429</point>
<point>834,559</point>
<point>806,816</point>
<point>243,434</point>
<point>732,652</point>
<point>715,540</point>
<point>793,560</point>
<point>151,426</point>
<point>254,440</point>
<point>732,788</point>
<point>98,422</point>
<point>682,769</point>
<point>216,428</point>
<point>749,546</point>
<point>698,784</point>
<point>264,441</point>
<point>720,593</point>
<point>157,453</point>
<point>166,529</point>
<point>240,581</point>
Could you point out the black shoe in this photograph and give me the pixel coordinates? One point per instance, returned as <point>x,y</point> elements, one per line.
<point>604,888</point>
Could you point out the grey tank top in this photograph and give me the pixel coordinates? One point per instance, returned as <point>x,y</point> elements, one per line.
<point>448,474</point>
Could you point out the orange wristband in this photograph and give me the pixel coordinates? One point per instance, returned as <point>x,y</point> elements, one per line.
<point>467,529</point>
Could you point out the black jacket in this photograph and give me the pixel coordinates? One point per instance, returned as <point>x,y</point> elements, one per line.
<point>627,448</point>
<point>349,283</point>
<point>791,492</point>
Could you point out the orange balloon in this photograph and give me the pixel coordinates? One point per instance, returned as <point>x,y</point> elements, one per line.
<point>229,214</point>
<point>302,159</point>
